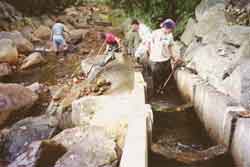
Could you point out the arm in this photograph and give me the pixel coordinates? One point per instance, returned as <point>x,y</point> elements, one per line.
<point>51,35</point>
<point>118,40</point>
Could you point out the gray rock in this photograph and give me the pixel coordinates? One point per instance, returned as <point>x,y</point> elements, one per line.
<point>211,21</point>
<point>237,84</point>
<point>25,132</point>
<point>236,34</point>
<point>76,36</point>
<point>96,149</point>
<point>204,6</point>
<point>43,32</point>
<point>70,137</point>
<point>5,69</point>
<point>189,33</point>
<point>37,88</point>
<point>40,153</point>
<point>22,44</point>
<point>14,97</point>
<point>32,60</point>
<point>210,61</point>
<point>8,12</point>
<point>47,21</point>
<point>8,51</point>
<point>243,55</point>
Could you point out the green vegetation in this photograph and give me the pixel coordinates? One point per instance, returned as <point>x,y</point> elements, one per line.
<point>152,12</point>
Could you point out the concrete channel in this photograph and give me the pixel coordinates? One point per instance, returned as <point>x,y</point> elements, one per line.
<point>220,114</point>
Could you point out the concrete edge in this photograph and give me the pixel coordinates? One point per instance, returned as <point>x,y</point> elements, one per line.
<point>139,134</point>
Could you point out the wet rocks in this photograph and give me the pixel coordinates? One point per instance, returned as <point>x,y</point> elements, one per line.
<point>33,60</point>
<point>43,32</point>
<point>14,97</point>
<point>39,154</point>
<point>8,51</point>
<point>5,69</point>
<point>22,44</point>
<point>25,132</point>
<point>96,149</point>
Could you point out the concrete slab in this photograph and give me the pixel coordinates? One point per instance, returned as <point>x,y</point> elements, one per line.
<point>241,145</point>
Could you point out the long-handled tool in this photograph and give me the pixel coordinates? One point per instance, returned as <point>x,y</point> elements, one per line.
<point>166,82</point>
<point>176,65</point>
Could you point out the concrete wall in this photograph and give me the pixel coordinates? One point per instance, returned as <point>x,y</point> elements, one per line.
<point>219,113</point>
<point>139,134</point>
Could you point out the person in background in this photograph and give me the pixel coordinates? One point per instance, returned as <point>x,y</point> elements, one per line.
<point>138,39</point>
<point>113,44</point>
<point>161,53</point>
<point>58,37</point>
<point>145,36</point>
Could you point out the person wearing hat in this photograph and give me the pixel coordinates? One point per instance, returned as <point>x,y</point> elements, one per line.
<point>161,52</point>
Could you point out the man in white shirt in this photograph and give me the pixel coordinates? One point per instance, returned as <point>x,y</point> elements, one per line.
<point>161,53</point>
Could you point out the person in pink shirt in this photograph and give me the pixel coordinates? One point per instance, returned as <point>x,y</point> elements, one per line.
<point>112,45</point>
<point>112,41</point>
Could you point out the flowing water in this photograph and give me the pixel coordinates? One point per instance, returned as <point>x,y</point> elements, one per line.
<point>180,131</point>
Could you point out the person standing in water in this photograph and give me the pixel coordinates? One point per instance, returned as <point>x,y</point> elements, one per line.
<point>58,37</point>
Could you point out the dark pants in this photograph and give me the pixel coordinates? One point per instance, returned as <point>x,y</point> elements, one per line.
<point>159,72</point>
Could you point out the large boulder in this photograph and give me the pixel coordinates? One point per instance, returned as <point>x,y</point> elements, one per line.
<point>113,114</point>
<point>5,69</point>
<point>14,97</point>
<point>211,21</point>
<point>25,132</point>
<point>189,33</point>
<point>237,85</point>
<point>8,51</point>
<point>216,58</point>
<point>204,6</point>
<point>39,153</point>
<point>33,60</point>
<point>43,32</point>
<point>96,149</point>
<point>22,44</point>
<point>70,137</point>
<point>76,36</point>
<point>8,14</point>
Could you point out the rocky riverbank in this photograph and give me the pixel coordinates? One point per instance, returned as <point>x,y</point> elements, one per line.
<point>38,92</point>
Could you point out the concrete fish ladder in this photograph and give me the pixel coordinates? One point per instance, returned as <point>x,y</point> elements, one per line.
<point>220,114</point>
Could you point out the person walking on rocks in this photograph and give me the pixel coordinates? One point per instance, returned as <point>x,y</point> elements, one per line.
<point>161,53</point>
<point>57,36</point>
